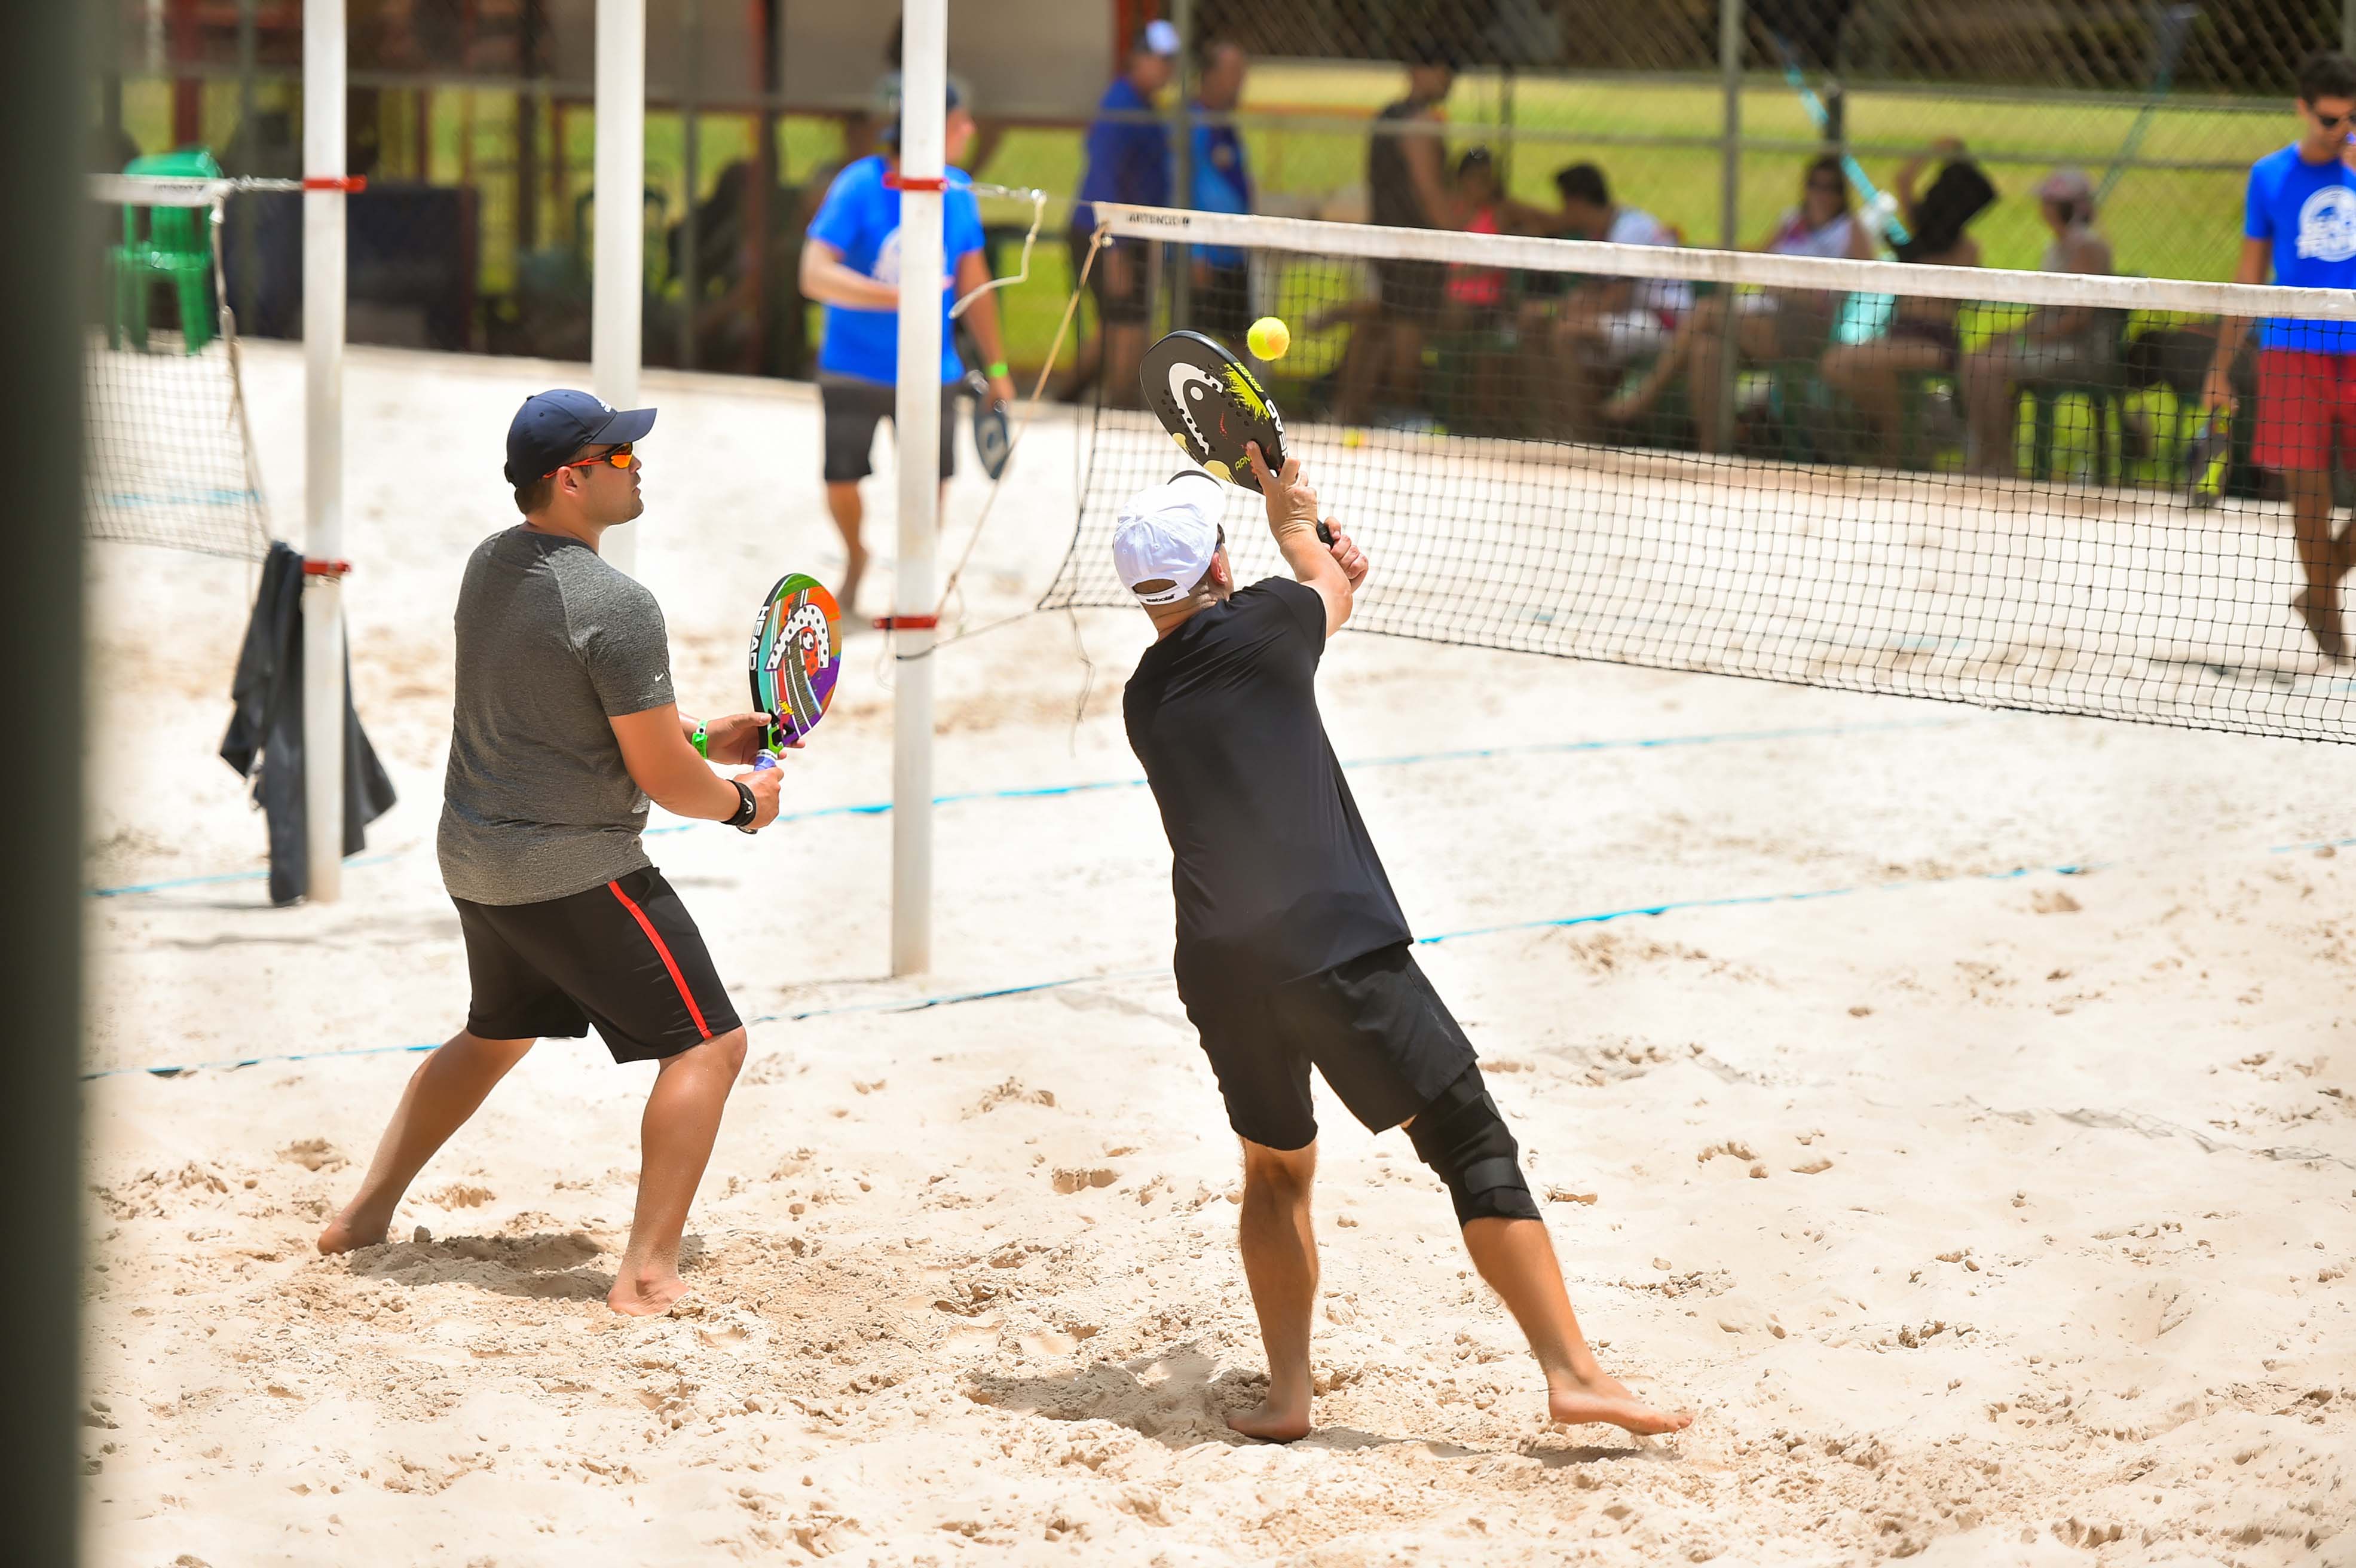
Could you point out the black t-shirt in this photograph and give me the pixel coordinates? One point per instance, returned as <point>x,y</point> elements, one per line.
<point>1274,874</point>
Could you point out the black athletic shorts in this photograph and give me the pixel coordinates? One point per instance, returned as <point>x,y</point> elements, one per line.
<point>1125,306</point>
<point>853,408</point>
<point>1373,1026</point>
<point>1412,292</point>
<point>624,955</point>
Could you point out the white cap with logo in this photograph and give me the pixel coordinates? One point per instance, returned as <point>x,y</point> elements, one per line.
<point>1168,534</point>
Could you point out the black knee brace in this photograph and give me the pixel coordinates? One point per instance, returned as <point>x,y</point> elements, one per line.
<point>1461,1135</point>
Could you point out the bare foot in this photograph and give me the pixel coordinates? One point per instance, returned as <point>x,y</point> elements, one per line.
<point>1271,1422</point>
<point>1603,1400</point>
<point>350,1231</point>
<point>646,1297</point>
<point>2322,624</point>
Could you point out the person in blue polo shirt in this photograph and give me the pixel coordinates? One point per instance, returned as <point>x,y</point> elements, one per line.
<point>2300,220</point>
<point>851,264</point>
<point>1222,184</point>
<point>1128,160</point>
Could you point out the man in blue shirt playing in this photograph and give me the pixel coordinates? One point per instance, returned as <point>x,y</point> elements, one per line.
<point>851,264</point>
<point>1128,160</point>
<point>1222,184</point>
<point>2301,222</point>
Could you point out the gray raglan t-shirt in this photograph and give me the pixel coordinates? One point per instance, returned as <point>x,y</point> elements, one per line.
<point>552,644</point>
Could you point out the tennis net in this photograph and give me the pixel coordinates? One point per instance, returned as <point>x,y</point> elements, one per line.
<point>1986,487</point>
<point>169,458</point>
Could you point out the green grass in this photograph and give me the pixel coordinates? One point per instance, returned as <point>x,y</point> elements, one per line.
<point>2162,222</point>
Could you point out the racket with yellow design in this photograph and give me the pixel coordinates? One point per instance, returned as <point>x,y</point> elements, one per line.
<point>1211,404</point>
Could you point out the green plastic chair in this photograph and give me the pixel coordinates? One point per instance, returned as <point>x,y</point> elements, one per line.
<point>176,249</point>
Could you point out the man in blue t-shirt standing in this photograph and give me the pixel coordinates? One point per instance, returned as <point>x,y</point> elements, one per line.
<point>2301,222</point>
<point>1128,160</point>
<point>851,264</point>
<point>1222,184</point>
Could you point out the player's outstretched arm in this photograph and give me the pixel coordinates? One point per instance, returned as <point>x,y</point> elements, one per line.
<point>655,749</point>
<point>827,279</point>
<point>1293,519</point>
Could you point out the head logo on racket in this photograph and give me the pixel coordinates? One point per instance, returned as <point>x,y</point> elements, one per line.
<point>795,656</point>
<point>1211,405</point>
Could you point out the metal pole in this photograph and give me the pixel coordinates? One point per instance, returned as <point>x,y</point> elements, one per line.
<point>248,271</point>
<point>1729,202</point>
<point>691,264</point>
<point>46,292</point>
<point>924,74</point>
<point>2348,27</point>
<point>323,448</point>
<point>618,281</point>
<point>1182,160</point>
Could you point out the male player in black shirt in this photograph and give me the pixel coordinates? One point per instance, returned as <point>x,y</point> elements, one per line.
<point>1291,949</point>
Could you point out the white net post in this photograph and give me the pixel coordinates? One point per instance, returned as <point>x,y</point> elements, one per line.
<point>323,447</point>
<point>616,298</point>
<point>923,90</point>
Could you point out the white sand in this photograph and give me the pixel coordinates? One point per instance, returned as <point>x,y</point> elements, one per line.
<point>1997,1219</point>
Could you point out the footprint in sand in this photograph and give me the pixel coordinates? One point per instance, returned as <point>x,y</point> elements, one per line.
<point>1072,1179</point>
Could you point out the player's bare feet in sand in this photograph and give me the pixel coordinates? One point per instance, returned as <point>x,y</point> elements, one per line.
<point>352,1229</point>
<point>2322,624</point>
<point>1574,1401</point>
<point>1273,1420</point>
<point>645,1297</point>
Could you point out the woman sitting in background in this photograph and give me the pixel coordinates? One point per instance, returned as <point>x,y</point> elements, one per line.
<point>1921,335</point>
<point>1780,324</point>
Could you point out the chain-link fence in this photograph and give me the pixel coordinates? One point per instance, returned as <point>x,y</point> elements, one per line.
<point>473,120</point>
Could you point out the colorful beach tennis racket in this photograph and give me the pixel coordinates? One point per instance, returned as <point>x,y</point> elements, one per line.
<point>1211,404</point>
<point>795,656</point>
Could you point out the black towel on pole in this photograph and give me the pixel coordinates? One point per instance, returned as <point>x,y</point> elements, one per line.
<point>265,733</point>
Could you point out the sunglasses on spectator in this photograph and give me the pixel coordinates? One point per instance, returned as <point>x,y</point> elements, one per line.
<point>620,457</point>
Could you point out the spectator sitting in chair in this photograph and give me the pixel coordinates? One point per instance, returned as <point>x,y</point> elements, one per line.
<point>2058,343</point>
<point>1921,335</point>
<point>1776,324</point>
<point>1606,324</point>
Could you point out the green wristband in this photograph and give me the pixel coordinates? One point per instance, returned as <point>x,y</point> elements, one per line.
<point>703,743</point>
<point>997,369</point>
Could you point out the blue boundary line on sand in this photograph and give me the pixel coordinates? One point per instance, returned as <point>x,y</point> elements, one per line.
<point>957,999</point>
<point>964,797</point>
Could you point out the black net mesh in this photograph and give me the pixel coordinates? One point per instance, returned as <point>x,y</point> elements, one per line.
<point>169,457</point>
<point>2008,503</point>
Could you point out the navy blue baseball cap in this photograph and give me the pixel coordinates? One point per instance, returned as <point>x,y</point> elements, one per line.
<point>552,426</point>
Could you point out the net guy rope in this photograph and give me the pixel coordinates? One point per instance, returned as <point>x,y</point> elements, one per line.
<point>1887,519</point>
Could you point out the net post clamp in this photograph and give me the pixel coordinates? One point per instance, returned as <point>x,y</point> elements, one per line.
<point>894,180</point>
<point>336,569</point>
<point>350,185</point>
<point>905,623</point>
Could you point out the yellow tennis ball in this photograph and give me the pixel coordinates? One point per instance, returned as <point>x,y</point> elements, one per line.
<point>1269,338</point>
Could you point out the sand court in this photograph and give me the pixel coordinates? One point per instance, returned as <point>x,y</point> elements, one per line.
<point>1968,1140</point>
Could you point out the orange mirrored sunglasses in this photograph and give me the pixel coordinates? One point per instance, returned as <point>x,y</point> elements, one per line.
<point>621,457</point>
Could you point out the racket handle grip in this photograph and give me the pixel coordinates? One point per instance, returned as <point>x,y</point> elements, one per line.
<point>1324,534</point>
<point>764,761</point>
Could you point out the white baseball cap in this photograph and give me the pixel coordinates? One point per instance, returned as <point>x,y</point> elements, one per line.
<point>1169,533</point>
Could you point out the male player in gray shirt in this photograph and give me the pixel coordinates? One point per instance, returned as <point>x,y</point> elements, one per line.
<point>563,725</point>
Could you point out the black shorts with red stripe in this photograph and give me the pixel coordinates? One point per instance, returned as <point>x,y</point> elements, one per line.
<point>624,955</point>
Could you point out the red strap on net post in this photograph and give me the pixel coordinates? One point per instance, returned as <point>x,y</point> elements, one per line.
<point>905,623</point>
<point>894,180</point>
<point>350,185</point>
<point>336,569</point>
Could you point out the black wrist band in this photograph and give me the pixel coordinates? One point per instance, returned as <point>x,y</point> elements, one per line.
<point>748,808</point>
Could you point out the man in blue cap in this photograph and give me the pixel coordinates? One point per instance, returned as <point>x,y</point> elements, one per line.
<point>562,726</point>
<point>851,263</point>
